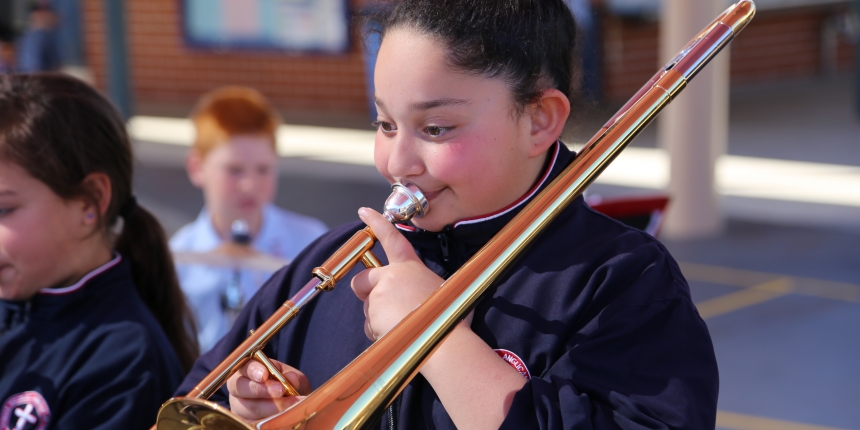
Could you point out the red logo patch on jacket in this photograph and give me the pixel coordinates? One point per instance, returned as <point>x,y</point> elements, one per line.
<point>515,361</point>
<point>25,411</point>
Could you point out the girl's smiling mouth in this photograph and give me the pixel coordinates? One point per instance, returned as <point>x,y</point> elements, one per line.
<point>430,195</point>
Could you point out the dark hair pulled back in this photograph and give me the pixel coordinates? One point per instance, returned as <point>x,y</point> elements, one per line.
<point>60,130</point>
<point>529,43</point>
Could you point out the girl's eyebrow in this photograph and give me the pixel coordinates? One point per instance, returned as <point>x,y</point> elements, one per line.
<point>7,193</point>
<point>427,105</point>
<point>436,103</point>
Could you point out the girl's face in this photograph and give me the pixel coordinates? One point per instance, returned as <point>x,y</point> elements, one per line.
<point>238,178</point>
<point>40,234</point>
<point>453,134</point>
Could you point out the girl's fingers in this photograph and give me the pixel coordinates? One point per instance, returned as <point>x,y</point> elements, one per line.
<point>254,371</point>
<point>396,247</point>
<point>245,388</point>
<point>255,409</point>
<point>253,381</point>
<point>362,286</point>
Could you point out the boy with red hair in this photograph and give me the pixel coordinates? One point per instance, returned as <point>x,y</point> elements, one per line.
<point>233,160</point>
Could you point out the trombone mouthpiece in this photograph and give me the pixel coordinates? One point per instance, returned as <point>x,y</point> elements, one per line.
<point>405,202</point>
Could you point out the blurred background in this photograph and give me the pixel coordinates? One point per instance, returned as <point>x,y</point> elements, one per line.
<point>760,158</point>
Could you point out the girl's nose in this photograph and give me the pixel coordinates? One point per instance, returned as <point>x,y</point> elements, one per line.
<point>404,157</point>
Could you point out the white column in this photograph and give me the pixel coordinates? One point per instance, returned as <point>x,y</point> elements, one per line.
<point>693,129</point>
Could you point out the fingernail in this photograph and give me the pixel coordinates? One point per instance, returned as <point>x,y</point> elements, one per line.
<point>363,212</point>
<point>257,374</point>
<point>276,390</point>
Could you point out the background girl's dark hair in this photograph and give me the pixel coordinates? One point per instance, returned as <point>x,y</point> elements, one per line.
<point>60,130</point>
<point>530,43</point>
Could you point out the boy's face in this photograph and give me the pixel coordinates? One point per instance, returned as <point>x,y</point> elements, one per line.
<point>454,135</point>
<point>40,234</point>
<point>238,178</point>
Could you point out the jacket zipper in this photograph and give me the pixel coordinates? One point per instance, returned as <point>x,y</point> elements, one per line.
<point>443,241</point>
<point>391,413</point>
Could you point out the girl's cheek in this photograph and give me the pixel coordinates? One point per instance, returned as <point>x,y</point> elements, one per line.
<point>450,164</point>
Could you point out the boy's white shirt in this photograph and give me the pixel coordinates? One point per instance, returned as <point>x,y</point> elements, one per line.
<point>282,234</point>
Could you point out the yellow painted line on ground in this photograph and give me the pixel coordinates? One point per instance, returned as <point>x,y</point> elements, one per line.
<point>735,421</point>
<point>748,279</point>
<point>745,298</point>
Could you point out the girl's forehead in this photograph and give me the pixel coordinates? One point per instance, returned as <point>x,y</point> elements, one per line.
<point>9,171</point>
<point>404,49</point>
<point>412,71</point>
<point>13,178</point>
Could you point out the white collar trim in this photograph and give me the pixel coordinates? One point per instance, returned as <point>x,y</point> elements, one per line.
<point>521,200</point>
<point>87,277</point>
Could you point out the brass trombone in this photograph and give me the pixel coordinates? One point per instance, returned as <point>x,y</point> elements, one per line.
<point>356,397</point>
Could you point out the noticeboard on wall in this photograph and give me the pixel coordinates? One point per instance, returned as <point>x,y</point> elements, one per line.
<point>288,25</point>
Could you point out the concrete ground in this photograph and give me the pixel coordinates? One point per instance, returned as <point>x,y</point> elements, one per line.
<point>779,289</point>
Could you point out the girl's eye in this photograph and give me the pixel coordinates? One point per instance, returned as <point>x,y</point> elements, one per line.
<point>386,127</point>
<point>437,131</point>
<point>6,211</point>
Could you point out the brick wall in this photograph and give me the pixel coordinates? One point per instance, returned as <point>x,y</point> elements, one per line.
<point>630,50</point>
<point>164,72</point>
<point>776,45</point>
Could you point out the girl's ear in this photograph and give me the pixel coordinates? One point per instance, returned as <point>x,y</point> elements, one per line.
<point>548,116</point>
<point>194,168</point>
<point>99,185</point>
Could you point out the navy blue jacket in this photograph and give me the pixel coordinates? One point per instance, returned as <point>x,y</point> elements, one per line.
<point>596,313</point>
<point>90,356</point>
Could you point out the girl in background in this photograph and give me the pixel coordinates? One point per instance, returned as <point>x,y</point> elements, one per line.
<point>94,330</point>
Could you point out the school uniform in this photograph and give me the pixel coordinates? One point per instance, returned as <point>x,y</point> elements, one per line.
<point>88,356</point>
<point>282,234</point>
<point>596,315</point>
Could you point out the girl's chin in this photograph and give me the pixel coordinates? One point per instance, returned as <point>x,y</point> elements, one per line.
<point>430,224</point>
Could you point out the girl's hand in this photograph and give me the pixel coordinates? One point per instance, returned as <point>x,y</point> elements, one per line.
<point>390,293</point>
<point>255,395</point>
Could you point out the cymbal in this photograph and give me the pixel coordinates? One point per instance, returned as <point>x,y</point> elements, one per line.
<point>231,255</point>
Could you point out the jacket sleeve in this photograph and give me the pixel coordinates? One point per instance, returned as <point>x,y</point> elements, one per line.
<point>642,362</point>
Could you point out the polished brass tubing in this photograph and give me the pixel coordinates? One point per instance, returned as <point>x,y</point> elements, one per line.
<point>246,350</point>
<point>345,258</point>
<point>370,261</point>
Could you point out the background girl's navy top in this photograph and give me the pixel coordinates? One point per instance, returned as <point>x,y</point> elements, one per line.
<point>597,314</point>
<point>90,356</point>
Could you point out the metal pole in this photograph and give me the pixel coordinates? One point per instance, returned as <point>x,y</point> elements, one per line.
<point>117,57</point>
<point>694,128</point>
